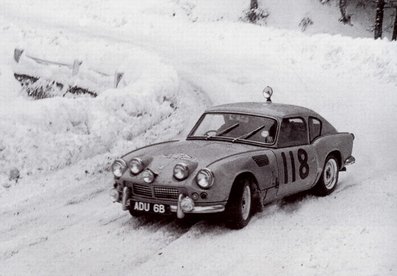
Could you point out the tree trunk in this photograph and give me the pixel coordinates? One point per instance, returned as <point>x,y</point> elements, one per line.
<point>342,8</point>
<point>252,13</point>
<point>254,4</point>
<point>346,18</point>
<point>379,19</point>
<point>395,27</point>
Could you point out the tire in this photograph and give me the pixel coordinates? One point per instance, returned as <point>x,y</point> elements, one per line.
<point>239,208</point>
<point>329,177</point>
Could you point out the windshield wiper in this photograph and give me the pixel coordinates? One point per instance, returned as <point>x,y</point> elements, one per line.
<point>249,134</point>
<point>227,129</point>
<point>222,132</point>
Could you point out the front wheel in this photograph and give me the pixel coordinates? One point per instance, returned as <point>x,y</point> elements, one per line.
<point>329,177</point>
<point>239,207</point>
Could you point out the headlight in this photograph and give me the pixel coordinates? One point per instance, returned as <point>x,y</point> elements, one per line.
<point>148,176</point>
<point>205,178</point>
<point>136,166</point>
<point>118,167</point>
<point>181,171</point>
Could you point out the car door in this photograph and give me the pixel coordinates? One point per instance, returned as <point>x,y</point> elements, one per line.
<point>296,158</point>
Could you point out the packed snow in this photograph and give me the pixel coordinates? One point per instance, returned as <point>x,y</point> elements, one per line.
<point>179,57</point>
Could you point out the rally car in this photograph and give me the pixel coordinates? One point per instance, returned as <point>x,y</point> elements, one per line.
<point>236,159</point>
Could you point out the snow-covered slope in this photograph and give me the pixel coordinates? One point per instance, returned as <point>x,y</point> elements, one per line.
<point>57,219</point>
<point>284,14</point>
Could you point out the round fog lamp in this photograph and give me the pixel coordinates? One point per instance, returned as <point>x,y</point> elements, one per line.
<point>181,171</point>
<point>195,196</point>
<point>136,166</point>
<point>148,176</point>
<point>114,195</point>
<point>187,204</point>
<point>118,167</point>
<point>205,178</point>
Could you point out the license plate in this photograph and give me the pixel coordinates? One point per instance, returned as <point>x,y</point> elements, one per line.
<point>150,207</point>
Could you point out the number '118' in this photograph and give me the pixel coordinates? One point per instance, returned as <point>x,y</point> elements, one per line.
<point>303,165</point>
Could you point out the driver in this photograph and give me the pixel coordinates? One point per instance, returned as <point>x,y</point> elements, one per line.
<point>271,134</point>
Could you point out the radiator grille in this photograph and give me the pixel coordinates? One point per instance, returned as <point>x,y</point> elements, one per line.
<point>164,192</point>
<point>159,192</point>
<point>142,190</point>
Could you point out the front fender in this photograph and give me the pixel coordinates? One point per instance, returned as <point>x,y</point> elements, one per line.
<point>261,164</point>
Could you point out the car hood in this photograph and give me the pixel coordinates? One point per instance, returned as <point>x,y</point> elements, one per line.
<point>196,153</point>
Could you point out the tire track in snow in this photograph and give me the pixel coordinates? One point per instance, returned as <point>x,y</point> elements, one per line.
<point>77,196</point>
<point>194,101</point>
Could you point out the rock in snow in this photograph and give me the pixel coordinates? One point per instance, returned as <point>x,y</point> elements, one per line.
<point>14,175</point>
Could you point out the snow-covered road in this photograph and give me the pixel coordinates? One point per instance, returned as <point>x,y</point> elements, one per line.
<point>58,218</point>
<point>52,219</point>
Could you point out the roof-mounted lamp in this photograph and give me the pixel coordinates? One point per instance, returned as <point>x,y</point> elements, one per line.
<point>267,93</point>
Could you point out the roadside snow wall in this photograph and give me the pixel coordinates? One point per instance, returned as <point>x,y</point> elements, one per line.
<point>48,134</point>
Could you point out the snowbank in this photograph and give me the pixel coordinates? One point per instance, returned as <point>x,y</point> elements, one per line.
<point>48,134</point>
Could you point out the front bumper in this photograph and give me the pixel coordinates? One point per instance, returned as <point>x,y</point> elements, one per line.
<point>202,209</point>
<point>350,160</point>
<point>179,209</point>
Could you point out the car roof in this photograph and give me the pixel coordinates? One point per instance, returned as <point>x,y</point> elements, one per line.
<point>264,109</point>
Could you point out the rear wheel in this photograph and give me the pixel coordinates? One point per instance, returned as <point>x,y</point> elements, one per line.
<point>239,207</point>
<point>329,177</point>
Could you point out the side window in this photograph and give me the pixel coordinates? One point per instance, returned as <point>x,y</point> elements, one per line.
<point>314,128</point>
<point>293,132</point>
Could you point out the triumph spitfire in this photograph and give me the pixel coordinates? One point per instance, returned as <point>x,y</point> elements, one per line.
<point>236,159</point>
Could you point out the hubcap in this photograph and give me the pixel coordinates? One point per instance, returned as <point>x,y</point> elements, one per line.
<point>330,173</point>
<point>246,202</point>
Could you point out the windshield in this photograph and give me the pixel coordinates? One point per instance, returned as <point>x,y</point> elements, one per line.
<point>236,127</point>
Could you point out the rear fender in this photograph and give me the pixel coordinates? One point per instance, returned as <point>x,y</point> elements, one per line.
<point>340,144</point>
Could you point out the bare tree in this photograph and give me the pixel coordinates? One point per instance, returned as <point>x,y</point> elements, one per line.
<point>394,37</point>
<point>254,4</point>
<point>252,12</point>
<point>380,6</point>
<point>345,19</point>
<point>255,14</point>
